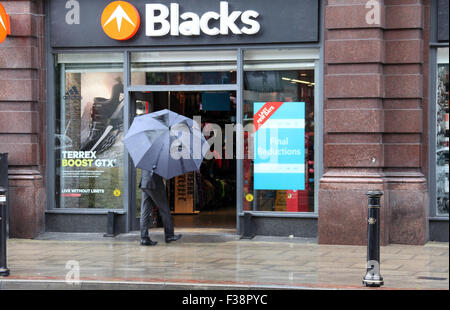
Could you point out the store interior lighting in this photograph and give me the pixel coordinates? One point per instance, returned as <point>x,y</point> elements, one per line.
<point>298,81</point>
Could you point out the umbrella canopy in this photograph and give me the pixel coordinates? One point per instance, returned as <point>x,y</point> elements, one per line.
<point>166,140</point>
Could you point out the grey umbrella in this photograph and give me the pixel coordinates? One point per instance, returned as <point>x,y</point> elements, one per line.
<point>171,142</point>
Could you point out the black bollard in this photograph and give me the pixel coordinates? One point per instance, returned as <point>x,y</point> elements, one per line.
<point>248,228</point>
<point>110,225</point>
<point>4,271</point>
<point>373,277</point>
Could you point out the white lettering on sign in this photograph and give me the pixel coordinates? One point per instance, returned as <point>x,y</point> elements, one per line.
<point>162,20</point>
<point>264,113</point>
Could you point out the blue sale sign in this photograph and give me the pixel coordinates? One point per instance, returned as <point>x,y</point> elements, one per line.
<point>279,146</point>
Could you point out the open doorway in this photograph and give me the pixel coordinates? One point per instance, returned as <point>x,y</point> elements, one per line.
<point>207,198</point>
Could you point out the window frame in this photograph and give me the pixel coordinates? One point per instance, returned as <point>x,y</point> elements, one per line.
<point>434,64</point>
<point>311,56</point>
<point>128,88</point>
<point>434,45</point>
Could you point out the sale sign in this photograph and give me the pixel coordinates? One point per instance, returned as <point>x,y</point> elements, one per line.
<point>279,146</point>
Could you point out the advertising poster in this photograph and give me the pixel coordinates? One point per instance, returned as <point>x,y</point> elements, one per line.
<point>279,146</point>
<point>90,147</point>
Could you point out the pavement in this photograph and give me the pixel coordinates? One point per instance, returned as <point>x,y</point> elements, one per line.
<point>214,259</point>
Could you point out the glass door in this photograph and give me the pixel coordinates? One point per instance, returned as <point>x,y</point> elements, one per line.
<point>207,198</point>
<point>197,84</point>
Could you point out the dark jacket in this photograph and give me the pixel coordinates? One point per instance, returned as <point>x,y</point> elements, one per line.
<point>149,179</point>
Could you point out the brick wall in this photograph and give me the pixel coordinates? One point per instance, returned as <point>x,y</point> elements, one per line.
<point>373,121</point>
<point>22,115</point>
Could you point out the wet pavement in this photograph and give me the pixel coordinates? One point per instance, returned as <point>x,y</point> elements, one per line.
<point>214,260</point>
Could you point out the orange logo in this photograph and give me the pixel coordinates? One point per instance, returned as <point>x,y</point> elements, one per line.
<point>120,20</point>
<point>4,24</point>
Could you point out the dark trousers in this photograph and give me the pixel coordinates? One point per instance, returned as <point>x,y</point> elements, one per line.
<point>150,197</point>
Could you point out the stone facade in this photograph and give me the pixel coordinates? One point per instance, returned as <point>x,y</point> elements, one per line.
<point>375,112</point>
<point>375,119</point>
<point>22,115</point>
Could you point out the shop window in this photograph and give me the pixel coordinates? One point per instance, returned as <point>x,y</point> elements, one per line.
<point>183,68</point>
<point>88,131</point>
<point>279,175</point>
<point>442,131</point>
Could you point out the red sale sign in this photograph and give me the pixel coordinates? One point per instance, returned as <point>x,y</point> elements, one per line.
<point>265,113</point>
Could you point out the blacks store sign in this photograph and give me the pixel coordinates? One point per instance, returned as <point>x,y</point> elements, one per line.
<point>134,23</point>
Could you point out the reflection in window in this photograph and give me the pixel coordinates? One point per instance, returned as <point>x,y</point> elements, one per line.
<point>89,129</point>
<point>442,149</point>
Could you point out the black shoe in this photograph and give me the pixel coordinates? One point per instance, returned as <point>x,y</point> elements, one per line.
<point>173,238</point>
<point>147,242</point>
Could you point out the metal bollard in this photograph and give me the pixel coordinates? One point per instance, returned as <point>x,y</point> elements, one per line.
<point>4,271</point>
<point>373,277</point>
<point>248,228</point>
<point>110,225</point>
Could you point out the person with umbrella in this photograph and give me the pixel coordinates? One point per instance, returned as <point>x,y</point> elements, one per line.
<point>154,193</point>
<point>163,144</point>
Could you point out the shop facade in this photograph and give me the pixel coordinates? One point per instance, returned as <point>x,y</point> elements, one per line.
<point>363,87</point>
